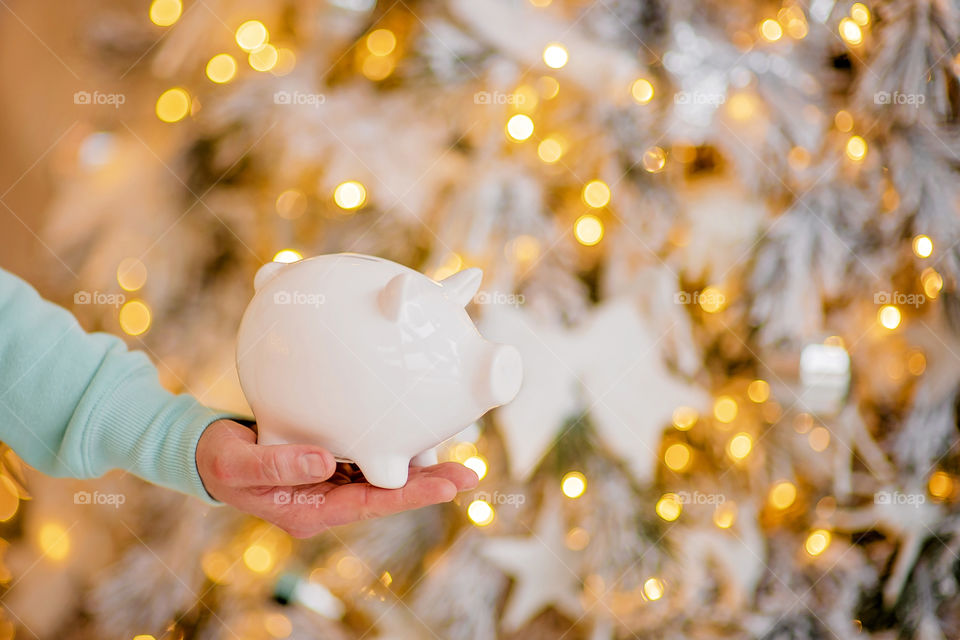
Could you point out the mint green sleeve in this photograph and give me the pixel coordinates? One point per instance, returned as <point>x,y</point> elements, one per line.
<point>78,404</point>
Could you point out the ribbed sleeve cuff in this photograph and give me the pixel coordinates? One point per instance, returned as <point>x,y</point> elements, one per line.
<point>150,432</point>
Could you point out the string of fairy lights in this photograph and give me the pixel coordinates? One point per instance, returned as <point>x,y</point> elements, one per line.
<point>260,551</point>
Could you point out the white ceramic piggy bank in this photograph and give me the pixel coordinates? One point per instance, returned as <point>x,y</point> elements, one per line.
<point>369,359</point>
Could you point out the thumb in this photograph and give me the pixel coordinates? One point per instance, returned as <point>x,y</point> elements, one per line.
<point>241,463</point>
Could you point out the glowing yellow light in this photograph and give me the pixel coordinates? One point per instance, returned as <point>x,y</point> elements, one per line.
<point>134,317</point>
<point>889,316</point>
<point>843,121</point>
<point>817,542</point>
<point>596,193</point>
<point>550,149</point>
<point>287,256</point>
<point>386,579</point>
<point>258,558</point>
<point>740,446</point>
<point>164,13</point>
<point>932,282</point>
<point>555,56</point>
<point>588,229</point>
<point>286,61</point>
<point>856,148</point>
<point>916,363</point>
<point>54,541</point>
<point>378,68</point>
<point>742,106</point>
<point>850,31</point>
<point>476,464</point>
<point>941,485</point>
<point>758,391</point>
<point>654,159</point>
<point>291,204</point>
<point>577,539</point>
<point>684,418</point>
<point>520,127</point>
<point>541,3</point>
<point>349,567</point>
<point>653,589</point>
<point>797,28</point>
<point>549,87</point>
<point>264,58</point>
<point>803,423</point>
<point>462,450</point>
<point>173,105</point>
<point>669,507</point>
<point>641,90</point>
<point>131,274</point>
<point>819,439</point>
<point>573,484</point>
<point>480,513</point>
<point>712,300</point>
<point>525,98</point>
<point>677,456</point>
<point>782,495</point>
<point>860,14</point>
<point>221,68</point>
<point>349,195</point>
<point>252,35</point>
<point>143,636</point>
<point>923,246</point>
<point>278,625</point>
<point>524,248</point>
<point>381,42</point>
<point>771,30</point>
<point>725,409</point>
<point>725,515</point>
<point>216,566</point>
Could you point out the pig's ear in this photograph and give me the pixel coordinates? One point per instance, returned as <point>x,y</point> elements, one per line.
<point>398,292</point>
<point>266,273</point>
<point>463,285</point>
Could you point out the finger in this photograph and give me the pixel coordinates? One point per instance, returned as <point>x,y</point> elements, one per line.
<point>463,477</point>
<point>362,501</point>
<point>240,463</point>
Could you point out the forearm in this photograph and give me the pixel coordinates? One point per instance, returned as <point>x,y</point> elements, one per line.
<point>78,404</point>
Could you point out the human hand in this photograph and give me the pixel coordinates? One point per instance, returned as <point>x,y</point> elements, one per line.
<point>290,485</point>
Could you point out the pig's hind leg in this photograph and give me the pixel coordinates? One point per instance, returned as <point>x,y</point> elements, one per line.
<point>425,459</point>
<point>386,471</point>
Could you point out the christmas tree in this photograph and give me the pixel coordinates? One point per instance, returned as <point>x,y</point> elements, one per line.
<point>724,237</point>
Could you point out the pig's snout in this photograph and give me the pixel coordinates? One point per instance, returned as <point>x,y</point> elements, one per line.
<point>500,375</point>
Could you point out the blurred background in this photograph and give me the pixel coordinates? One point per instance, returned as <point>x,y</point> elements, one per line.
<point>722,234</point>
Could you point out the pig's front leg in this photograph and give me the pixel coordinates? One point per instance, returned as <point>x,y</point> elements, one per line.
<point>425,459</point>
<point>385,471</point>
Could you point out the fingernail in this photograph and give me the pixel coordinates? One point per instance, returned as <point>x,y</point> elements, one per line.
<point>314,465</point>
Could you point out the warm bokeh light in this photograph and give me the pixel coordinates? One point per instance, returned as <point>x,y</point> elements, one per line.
<point>725,409</point>
<point>164,13</point>
<point>669,507</point>
<point>860,14</point>
<point>258,558</point>
<point>677,456</point>
<point>712,299</point>
<point>480,513</point>
<point>889,316</point>
<point>596,193</point>
<point>216,566</point>
<point>932,282</point>
<point>381,42</point>
<point>286,61</point>
<point>941,485</point>
<point>519,127</point>
<point>642,91</point>
<point>588,229</point>
<point>549,87</point>
<point>550,149</point>
<point>278,625</point>
<point>350,195</point>
<point>740,446</point>
<point>856,148</point>
<point>378,68</point>
<point>476,464</point>
<point>725,515</point>
<point>131,274</point>
<point>573,484</point>
<point>742,106</point>
<point>916,363</point>
<point>577,539</point>
<point>758,391</point>
<point>287,256</point>
<point>252,35</point>
<point>221,68</point>
<point>819,438</point>
<point>685,417</point>
<point>771,30</point>
<point>653,589</point>
<point>782,495</point>
<point>135,318</point>
<point>654,159</point>
<point>291,204</point>
<point>817,542</point>
<point>555,56</point>
<point>173,105</point>
<point>843,121</point>
<point>54,541</point>
<point>850,31</point>
<point>264,59</point>
<point>923,246</point>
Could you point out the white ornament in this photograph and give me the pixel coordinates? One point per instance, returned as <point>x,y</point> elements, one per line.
<point>545,571</point>
<point>369,359</point>
<point>825,376</point>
